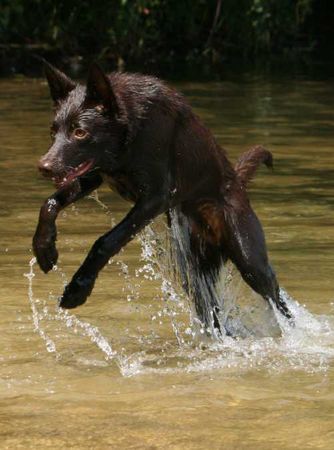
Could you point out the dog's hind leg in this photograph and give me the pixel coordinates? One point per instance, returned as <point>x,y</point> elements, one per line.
<point>247,250</point>
<point>198,263</point>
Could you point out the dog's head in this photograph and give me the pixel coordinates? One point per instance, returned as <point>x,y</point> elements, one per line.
<point>88,129</point>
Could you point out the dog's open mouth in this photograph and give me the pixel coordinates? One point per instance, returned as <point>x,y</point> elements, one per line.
<point>78,171</point>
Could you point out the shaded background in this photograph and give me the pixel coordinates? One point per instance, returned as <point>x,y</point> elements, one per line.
<point>167,37</point>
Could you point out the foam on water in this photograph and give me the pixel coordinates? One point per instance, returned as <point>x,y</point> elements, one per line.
<point>308,346</point>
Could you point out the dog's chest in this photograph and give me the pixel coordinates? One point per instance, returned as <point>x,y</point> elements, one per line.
<point>120,183</point>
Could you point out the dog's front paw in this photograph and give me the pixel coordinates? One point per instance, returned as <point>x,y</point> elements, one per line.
<point>45,252</point>
<point>76,293</point>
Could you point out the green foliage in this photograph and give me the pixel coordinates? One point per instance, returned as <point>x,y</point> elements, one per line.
<point>133,30</point>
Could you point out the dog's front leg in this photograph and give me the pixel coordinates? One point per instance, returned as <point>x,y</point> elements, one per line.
<point>81,286</point>
<point>44,240</point>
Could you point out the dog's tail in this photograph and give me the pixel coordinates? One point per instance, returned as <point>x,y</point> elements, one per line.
<point>249,161</point>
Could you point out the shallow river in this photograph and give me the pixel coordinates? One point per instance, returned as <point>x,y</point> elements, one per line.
<point>124,371</point>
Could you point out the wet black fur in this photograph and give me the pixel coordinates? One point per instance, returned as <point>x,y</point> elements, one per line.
<point>145,140</point>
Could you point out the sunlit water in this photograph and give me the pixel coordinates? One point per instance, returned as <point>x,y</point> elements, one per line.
<point>132,368</point>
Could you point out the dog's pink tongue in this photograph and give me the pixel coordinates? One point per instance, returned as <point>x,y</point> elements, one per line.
<point>78,171</point>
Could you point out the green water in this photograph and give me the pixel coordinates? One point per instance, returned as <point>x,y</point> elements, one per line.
<point>117,374</point>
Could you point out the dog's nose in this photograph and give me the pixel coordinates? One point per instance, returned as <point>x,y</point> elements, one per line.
<point>45,168</point>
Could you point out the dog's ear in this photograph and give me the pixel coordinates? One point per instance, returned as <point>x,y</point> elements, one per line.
<point>99,90</point>
<point>60,84</point>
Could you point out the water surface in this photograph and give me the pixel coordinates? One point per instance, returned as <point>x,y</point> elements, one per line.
<point>123,371</point>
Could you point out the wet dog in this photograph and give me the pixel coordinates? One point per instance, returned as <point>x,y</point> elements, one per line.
<point>143,138</point>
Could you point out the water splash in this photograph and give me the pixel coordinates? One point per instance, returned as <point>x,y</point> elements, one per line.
<point>86,330</point>
<point>36,317</point>
<point>308,347</point>
<point>70,321</point>
<point>240,311</point>
<point>267,341</point>
<point>157,264</point>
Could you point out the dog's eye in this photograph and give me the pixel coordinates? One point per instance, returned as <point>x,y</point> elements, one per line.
<point>79,133</point>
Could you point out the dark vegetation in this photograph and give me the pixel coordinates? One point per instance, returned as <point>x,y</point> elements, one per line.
<point>163,34</point>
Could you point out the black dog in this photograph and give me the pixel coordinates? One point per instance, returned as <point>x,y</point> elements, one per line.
<point>143,139</point>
